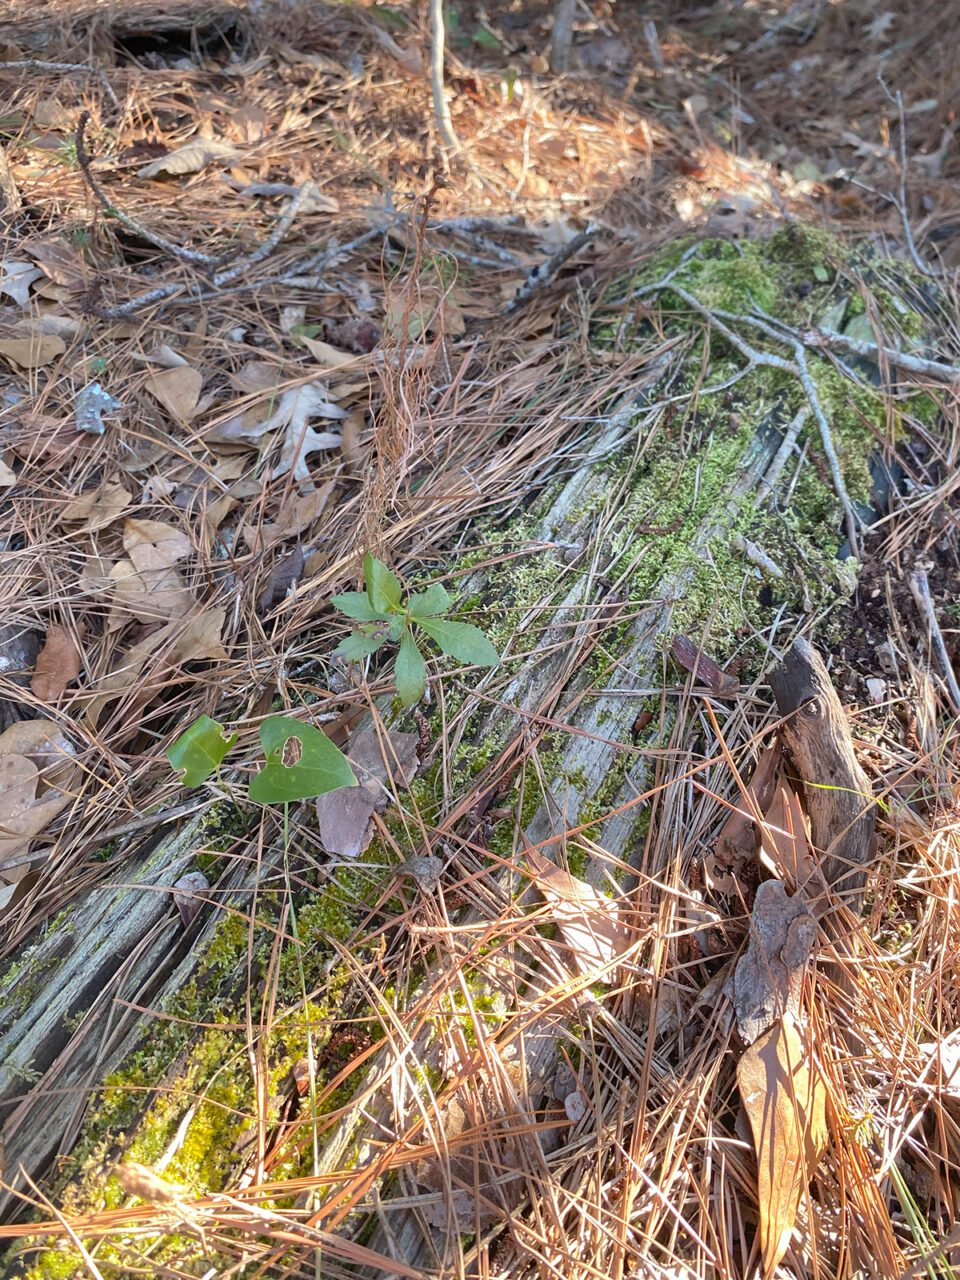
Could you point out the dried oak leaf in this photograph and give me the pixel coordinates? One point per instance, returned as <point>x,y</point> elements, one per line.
<point>34,351</point>
<point>736,846</point>
<point>191,158</point>
<point>344,818</point>
<point>37,769</point>
<point>785,1100</point>
<point>719,682</point>
<point>58,663</point>
<point>99,508</point>
<point>589,923</point>
<point>177,390</point>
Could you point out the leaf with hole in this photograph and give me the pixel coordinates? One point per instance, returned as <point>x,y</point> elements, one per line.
<point>410,671</point>
<point>461,641</point>
<point>200,750</point>
<point>322,767</point>
<point>429,603</point>
<point>383,587</point>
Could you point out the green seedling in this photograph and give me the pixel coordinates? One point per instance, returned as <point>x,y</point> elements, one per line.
<point>386,615</point>
<point>200,750</point>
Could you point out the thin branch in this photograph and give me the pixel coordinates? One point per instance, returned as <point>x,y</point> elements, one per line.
<point>901,203</point>
<point>920,588</point>
<point>160,242</point>
<point>284,223</point>
<point>441,107</point>
<point>800,370</point>
<point>542,274</point>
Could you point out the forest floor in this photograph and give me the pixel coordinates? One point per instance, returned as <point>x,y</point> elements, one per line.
<point>254,322</point>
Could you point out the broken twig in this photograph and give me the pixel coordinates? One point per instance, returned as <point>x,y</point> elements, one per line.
<point>920,589</point>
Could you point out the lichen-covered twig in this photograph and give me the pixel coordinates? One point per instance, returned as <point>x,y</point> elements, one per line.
<point>284,223</point>
<point>193,256</point>
<point>920,588</point>
<point>542,274</point>
<point>831,341</point>
<point>797,367</point>
<point>37,64</point>
<point>303,275</point>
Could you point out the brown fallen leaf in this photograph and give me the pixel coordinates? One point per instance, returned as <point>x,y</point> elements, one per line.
<point>735,848</point>
<point>589,923</point>
<point>785,1100</point>
<point>784,841</point>
<point>191,158</point>
<point>719,682</point>
<point>327,356</point>
<point>32,352</point>
<point>344,820</point>
<point>768,978</point>
<point>37,768</point>
<point>194,637</point>
<point>147,584</point>
<point>99,507</point>
<point>58,663</point>
<point>189,893</point>
<point>287,570</point>
<point>137,1179</point>
<point>389,758</point>
<point>177,390</point>
<point>295,516</point>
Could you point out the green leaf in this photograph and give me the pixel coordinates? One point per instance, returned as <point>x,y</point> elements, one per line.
<point>200,750</point>
<point>462,641</point>
<point>357,645</point>
<point>356,605</point>
<point>821,273</point>
<point>410,671</point>
<point>321,767</point>
<point>383,587</point>
<point>427,604</point>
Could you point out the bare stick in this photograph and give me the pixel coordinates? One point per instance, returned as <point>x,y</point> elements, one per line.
<point>36,64</point>
<point>826,439</point>
<point>832,341</point>
<point>920,588</point>
<point>284,222</point>
<point>798,367</point>
<point>441,108</point>
<point>545,272</point>
<point>901,203</point>
<point>184,255</point>
<point>561,39</point>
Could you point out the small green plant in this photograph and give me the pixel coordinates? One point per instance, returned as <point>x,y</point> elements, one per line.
<point>200,750</point>
<point>386,615</point>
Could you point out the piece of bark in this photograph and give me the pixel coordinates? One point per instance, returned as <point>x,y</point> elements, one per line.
<point>836,792</point>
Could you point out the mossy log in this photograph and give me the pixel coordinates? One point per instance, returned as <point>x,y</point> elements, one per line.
<point>125,1035</point>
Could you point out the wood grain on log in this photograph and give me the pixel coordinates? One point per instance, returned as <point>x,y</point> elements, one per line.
<point>836,792</point>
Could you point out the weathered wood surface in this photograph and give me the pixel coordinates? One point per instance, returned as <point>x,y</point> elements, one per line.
<point>836,792</point>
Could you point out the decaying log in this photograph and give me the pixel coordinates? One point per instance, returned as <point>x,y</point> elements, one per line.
<point>836,791</point>
<point>586,639</point>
